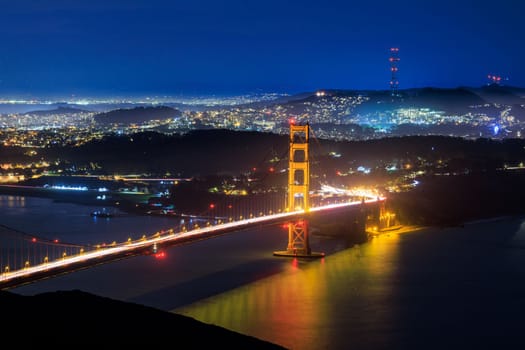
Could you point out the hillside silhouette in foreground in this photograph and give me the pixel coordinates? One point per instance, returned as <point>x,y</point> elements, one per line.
<point>51,319</point>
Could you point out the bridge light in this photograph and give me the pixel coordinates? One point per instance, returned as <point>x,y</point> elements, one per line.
<point>26,264</point>
<point>46,260</point>
<point>33,239</point>
<point>160,255</point>
<point>212,205</point>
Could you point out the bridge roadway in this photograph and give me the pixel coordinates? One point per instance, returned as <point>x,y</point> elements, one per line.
<point>144,246</point>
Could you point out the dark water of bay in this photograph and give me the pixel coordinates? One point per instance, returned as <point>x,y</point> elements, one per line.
<point>452,288</point>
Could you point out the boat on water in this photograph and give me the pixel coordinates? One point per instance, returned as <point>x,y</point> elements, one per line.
<point>102,214</point>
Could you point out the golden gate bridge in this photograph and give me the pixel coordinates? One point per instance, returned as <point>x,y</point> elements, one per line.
<point>26,258</point>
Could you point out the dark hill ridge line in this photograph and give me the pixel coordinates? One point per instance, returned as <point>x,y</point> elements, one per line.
<point>221,151</point>
<point>48,318</point>
<point>58,110</point>
<point>202,151</point>
<point>136,115</point>
<point>454,99</point>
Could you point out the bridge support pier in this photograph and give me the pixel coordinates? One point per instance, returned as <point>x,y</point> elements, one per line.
<point>298,242</point>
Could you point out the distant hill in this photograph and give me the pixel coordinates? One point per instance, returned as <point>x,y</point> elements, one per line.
<point>445,99</point>
<point>501,94</point>
<point>225,151</point>
<point>136,115</point>
<point>59,110</point>
<point>200,151</point>
<point>451,100</point>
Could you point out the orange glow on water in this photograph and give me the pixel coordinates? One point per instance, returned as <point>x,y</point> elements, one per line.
<point>295,307</point>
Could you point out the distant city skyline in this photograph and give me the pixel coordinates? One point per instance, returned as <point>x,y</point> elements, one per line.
<point>119,48</point>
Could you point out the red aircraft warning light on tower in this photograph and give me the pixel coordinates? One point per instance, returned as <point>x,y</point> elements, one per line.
<point>394,82</point>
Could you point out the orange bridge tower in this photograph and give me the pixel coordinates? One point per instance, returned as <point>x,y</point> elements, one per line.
<point>298,193</point>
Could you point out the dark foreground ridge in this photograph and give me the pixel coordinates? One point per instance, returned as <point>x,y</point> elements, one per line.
<point>50,319</point>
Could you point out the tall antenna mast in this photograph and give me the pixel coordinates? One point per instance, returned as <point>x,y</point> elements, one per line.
<point>394,83</point>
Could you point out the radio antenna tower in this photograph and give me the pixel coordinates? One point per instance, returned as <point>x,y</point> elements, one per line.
<point>394,83</point>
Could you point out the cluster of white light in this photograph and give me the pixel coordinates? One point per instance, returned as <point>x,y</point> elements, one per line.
<point>75,188</point>
<point>357,191</point>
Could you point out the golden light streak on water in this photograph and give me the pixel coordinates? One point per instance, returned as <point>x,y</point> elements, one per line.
<point>285,308</point>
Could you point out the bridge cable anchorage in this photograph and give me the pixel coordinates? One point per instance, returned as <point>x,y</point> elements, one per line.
<point>298,194</point>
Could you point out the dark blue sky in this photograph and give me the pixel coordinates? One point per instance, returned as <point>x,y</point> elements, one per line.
<point>202,46</point>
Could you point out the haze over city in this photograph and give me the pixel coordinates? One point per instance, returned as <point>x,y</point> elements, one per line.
<point>123,48</point>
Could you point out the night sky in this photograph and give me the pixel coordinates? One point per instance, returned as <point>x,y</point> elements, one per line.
<point>126,47</point>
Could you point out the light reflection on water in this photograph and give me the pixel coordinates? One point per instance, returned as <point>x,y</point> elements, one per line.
<point>436,288</point>
<point>300,307</point>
